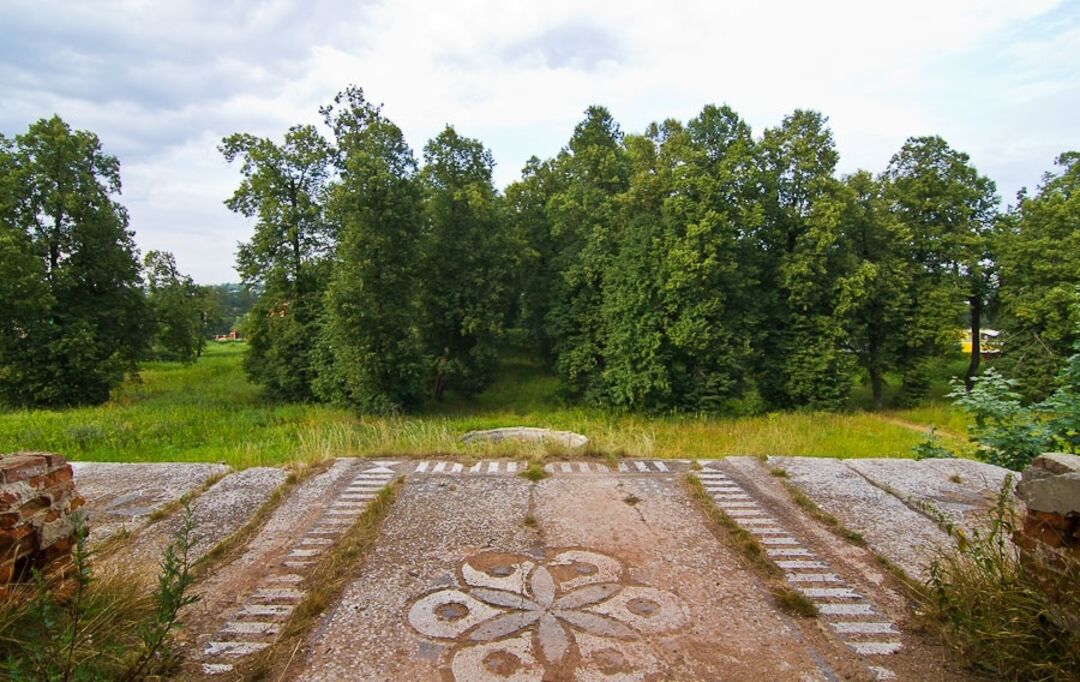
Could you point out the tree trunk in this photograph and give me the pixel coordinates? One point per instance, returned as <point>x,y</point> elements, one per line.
<point>976,305</point>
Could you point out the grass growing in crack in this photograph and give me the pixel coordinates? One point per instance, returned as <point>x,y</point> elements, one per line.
<point>695,465</point>
<point>811,508</point>
<point>534,472</point>
<point>793,602</point>
<point>325,584</point>
<point>1016,617</point>
<point>530,521</point>
<point>242,535</point>
<point>745,543</point>
<point>631,500</point>
<point>778,472</point>
<point>788,599</point>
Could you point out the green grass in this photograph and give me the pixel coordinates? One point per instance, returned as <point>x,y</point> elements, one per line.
<point>210,412</point>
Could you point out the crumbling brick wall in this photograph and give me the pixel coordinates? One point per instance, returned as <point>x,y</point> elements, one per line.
<point>37,499</point>
<point>1050,490</point>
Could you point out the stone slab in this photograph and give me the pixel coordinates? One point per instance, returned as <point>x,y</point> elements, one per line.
<point>218,512</point>
<point>962,490</point>
<point>123,496</point>
<point>891,528</point>
<point>459,587</point>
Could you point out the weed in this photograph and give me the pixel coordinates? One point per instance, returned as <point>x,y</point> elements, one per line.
<point>1011,615</point>
<point>97,627</point>
<point>793,602</point>
<point>778,472</point>
<point>816,512</point>
<point>745,543</point>
<point>955,478</point>
<point>530,521</point>
<point>631,500</point>
<point>534,472</point>
<point>695,465</point>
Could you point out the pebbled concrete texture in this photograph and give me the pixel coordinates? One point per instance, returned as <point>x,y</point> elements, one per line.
<point>122,496</point>
<point>891,528</point>
<point>218,512</point>
<point>960,490</point>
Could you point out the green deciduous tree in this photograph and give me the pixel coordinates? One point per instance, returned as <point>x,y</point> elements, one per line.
<point>465,263</point>
<point>950,210</point>
<point>804,362</point>
<point>1039,254</point>
<point>592,171</point>
<point>177,307</point>
<point>74,315</point>
<point>371,349</point>
<point>282,188</point>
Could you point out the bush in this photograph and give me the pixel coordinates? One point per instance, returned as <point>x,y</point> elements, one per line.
<point>1016,617</point>
<point>931,447</point>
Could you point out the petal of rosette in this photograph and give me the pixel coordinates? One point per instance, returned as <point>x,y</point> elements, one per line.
<point>543,586</point>
<point>595,624</point>
<point>574,568</point>
<point>508,660</point>
<point>646,609</point>
<point>504,624</point>
<point>446,614</point>
<point>507,600</point>
<point>585,596</point>
<point>554,642</point>
<point>497,570</point>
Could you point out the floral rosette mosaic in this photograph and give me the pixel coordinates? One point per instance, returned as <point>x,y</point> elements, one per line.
<point>575,614</point>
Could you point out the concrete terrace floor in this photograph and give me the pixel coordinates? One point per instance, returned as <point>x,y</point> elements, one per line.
<point>598,572</point>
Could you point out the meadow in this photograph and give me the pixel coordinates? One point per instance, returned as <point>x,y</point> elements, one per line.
<point>209,412</point>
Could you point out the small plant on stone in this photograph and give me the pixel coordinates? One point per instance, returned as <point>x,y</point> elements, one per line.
<point>931,447</point>
<point>530,521</point>
<point>534,472</point>
<point>631,500</point>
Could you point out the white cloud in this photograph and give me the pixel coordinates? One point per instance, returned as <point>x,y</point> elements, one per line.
<point>162,83</point>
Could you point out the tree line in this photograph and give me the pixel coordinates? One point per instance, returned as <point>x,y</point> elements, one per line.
<point>692,267</point>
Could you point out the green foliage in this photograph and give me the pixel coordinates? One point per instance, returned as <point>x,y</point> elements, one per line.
<point>1013,617</point>
<point>931,447</point>
<point>371,355</point>
<point>1009,434</point>
<point>466,263</point>
<point>95,629</point>
<point>224,307</point>
<point>1038,250</point>
<point>74,320</point>
<point>283,188</point>
<point>176,305</point>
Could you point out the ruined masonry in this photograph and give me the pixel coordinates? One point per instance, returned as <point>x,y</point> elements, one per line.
<point>37,498</point>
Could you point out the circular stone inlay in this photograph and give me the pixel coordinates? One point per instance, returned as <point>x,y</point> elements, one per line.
<point>501,663</point>
<point>642,607</point>
<point>451,611</point>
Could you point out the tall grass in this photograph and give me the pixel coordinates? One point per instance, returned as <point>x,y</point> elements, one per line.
<point>1016,617</point>
<point>210,412</point>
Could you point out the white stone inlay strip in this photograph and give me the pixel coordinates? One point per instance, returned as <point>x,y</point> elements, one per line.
<point>661,466</point>
<point>831,593</point>
<point>641,466</point>
<point>623,467</point>
<point>784,551</point>
<point>583,467</point>
<point>251,628</point>
<point>234,648</point>
<point>493,467</point>
<point>511,467</point>
<point>779,541</point>
<point>813,578</point>
<point>846,609</point>
<point>788,565</point>
<point>285,594</point>
<point>304,552</point>
<point>438,468</point>
<point>475,468</point>
<point>297,563</point>
<point>421,467</point>
<point>456,468</point>
<point>864,628</point>
<point>876,648</point>
<point>566,468</point>
<point>265,610</point>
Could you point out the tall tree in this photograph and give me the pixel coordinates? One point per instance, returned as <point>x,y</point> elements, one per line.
<point>287,259</point>
<point>593,170</point>
<point>951,210</point>
<point>875,287</point>
<point>176,304</point>
<point>372,354</point>
<point>465,260</point>
<point>84,326</point>
<point>803,359</point>
<point>1039,254</point>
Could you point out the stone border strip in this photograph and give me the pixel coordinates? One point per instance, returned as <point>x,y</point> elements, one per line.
<point>257,622</point>
<point>848,613</point>
<point>497,467</point>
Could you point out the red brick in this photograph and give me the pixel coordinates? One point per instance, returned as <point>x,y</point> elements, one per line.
<point>10,520</point>
<point>32,507</point>
<point>1050,519</point>
<point>8,498</point>
<point>75,503</point>
<point>7,571</point>
<point>21,467</point>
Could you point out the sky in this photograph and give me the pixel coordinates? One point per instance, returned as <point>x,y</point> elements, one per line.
<point>162,82</point>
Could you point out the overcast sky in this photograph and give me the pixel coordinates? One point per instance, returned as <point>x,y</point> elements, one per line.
<point>162,82</point>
